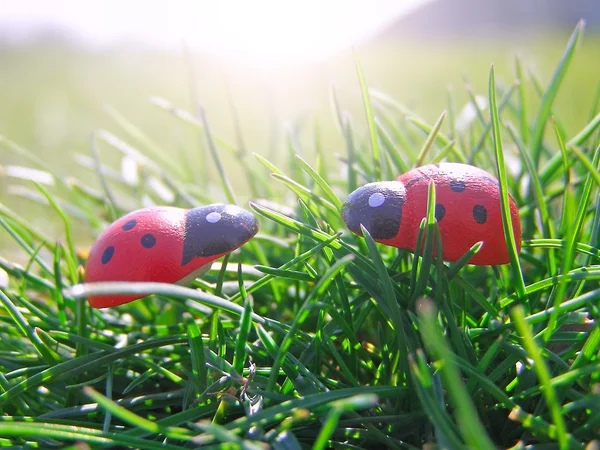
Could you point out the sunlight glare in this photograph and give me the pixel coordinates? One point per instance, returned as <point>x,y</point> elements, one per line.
<point>261,32</point>
<point>271,32</point>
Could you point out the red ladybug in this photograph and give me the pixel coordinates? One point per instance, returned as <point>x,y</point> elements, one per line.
<point>165,244</point>
<point>467,210</point>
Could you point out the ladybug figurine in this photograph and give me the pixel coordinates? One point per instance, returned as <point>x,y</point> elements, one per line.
<point>467,210</point>
<point>165,244</point>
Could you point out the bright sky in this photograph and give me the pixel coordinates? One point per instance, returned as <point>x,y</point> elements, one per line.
<point>269,31</point>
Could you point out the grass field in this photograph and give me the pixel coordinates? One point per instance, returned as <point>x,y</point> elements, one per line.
<point>305,338</point>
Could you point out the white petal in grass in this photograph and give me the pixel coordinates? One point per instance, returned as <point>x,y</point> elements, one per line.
<point>519,366</point>
<point>147,202</point>
<point>129,170</point>
<point>84,160</point>
<point>127,318</point>
<point>376,199</point>
<point>122,341</point>
<point>513,163</point>
<point>38,197</point>
<point>469,112</point>
<point>51,121</point>
<point>22,191</point>
<point>27,173</point>
<point>89,163</point>
<point>165,194</point>
<point>3,279</point>
<point>124,148</point>
<point>247,270</point>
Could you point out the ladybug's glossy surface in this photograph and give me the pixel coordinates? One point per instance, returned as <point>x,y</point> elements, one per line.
<point>165,244</point>
<point>467,210</point>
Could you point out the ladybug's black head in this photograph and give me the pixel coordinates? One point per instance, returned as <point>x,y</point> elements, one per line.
<point>378,207</point>
<point>216,229</point>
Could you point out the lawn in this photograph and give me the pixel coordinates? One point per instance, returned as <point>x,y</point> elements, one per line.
<point>308,336</point>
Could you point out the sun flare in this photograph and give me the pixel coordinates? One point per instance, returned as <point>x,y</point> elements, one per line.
<point>262,32</point>
<point>271,32</point>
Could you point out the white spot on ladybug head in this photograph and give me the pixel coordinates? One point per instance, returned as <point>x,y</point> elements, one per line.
<point>376,199</point>
<point>213,217</point>
<point>232,210</point>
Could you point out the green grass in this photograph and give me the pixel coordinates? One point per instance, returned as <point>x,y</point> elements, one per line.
<point>308,337</point>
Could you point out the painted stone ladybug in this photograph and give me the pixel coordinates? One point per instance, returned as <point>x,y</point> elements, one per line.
<point>467,210</point>
<point>165,244</point>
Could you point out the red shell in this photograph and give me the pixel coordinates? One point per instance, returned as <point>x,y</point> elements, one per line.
<point>164,244</point>
<point>467,209</point>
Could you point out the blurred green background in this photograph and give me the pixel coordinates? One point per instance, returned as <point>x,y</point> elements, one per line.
<point>53,93</point>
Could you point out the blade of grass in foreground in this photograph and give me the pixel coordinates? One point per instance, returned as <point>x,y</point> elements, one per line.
<point>504,204</point>
<point>166,289</point>
<point>446,432</point>
<point>543,375</point>
<point>466,414</point>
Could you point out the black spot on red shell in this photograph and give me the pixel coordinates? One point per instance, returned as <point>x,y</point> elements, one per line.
<point>148,241</point>
<point>107,254</point>
<point>479,214</point>
<point>440,212</point>
<point>129,225</point>
<point>457,185</point>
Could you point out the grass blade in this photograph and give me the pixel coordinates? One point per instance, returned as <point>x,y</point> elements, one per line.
<point>504,204</point>
<point>370,119</point>
<point>550,94</point>
<point>329,194</point>
<point>469,424</point>
<point>543,375</point>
